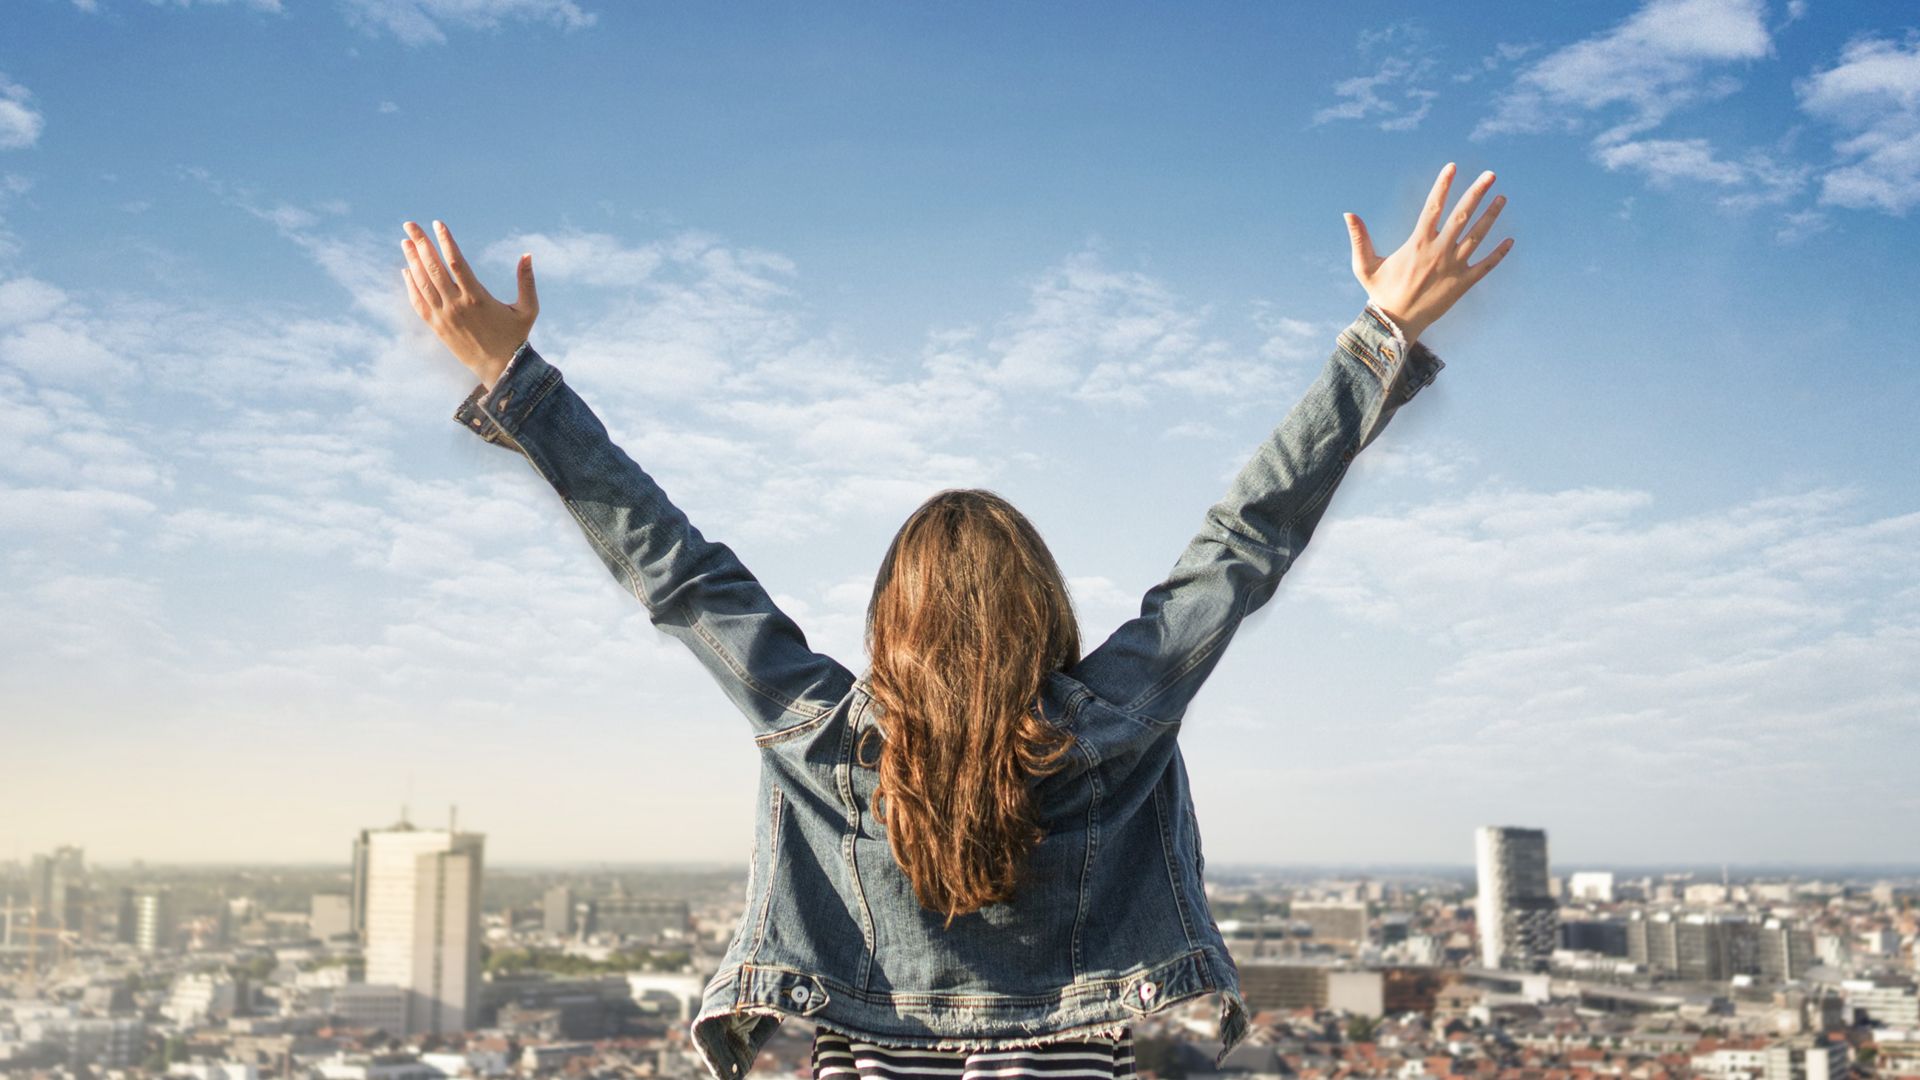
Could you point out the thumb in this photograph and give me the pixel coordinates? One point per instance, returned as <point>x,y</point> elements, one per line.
<point>529,298</point>
<point>1364,257</point>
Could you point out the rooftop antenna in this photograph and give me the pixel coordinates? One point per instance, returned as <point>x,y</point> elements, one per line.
<point>453,816</point>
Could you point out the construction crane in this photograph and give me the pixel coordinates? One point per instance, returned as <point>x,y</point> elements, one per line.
<point>64,940</point>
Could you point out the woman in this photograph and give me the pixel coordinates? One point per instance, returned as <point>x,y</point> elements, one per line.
<point>981,855</point>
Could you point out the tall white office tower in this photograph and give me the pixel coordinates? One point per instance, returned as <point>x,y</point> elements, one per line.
<point>423,922</point>
<point>1517,916</point>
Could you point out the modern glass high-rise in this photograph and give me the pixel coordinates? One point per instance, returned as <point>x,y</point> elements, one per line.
<point>1517,916</point>
<point>423,921</point>
<point>358,893</point>
<point>153,919</point>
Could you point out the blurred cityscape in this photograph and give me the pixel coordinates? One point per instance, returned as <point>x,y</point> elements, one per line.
<point>411,960</point>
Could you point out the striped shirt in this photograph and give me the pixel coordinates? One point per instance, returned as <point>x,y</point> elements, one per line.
<point>838,1057</point>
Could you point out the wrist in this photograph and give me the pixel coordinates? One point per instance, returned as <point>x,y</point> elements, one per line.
<point>1409,328</point>
<point>491,368</point>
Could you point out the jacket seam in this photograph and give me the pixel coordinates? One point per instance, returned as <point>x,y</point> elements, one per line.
<point>1167,861</point>
<point>1086,864</point>
<point>849,841</point>
<point>633,584</point>
<point>774,815</point>
<point>1221,632</point>
<point>772,738</point>
<point>751,681</point>
<point>1193,660</point>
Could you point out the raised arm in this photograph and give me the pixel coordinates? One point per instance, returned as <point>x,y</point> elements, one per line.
<point>1152,666</point>
<point>693,588</point>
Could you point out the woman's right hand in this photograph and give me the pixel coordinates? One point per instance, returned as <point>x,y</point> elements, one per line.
<point>480,331</point>
<point>1418,283</point>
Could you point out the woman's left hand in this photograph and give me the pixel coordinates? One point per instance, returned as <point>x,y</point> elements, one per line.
<point>482,332</point>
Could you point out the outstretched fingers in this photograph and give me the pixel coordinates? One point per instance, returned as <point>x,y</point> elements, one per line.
<point>1481,228</point>
<point>418,277</point>
<point>457,263</point>
<point>419,302</point>
<point>1480,269</point>
<point>1463,212</point>
<point>1436,199</point>
<point>435,271</point>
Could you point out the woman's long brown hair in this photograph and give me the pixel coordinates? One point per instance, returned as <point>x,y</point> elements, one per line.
<point>969,615</point>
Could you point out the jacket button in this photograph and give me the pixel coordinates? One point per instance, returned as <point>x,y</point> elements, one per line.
<point>798,994</point>
<point>1147,990</point>
<point>1386,351</point>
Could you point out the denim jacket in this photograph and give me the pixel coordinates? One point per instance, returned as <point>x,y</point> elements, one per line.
<point>1113,923</point>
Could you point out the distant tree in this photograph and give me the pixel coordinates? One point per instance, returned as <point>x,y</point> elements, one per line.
<point>563,963</point>
<point>1361,1029</point>
<point>256,967</point>
<point>669,961</point>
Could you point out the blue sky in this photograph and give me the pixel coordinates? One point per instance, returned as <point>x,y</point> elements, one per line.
<point>1637,569</point>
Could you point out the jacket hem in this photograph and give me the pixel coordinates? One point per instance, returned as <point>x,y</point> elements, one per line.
<point>746,1003</point>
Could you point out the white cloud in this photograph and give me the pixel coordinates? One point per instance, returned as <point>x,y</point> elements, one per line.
<point>1801,224</point>
<point>80,617</point>
<point>1395,94</point>
<point>20,123</point>
<point>587,258</point>
<point>258,5</point>
<point>423,22</point>
<point>1664,160</point>
<point>1761,180</point>
<point>1872,94</point>
<point>1117,336</point>
<point>28,299</point>
<point>1744,637</point>
<point>1397,77</point>
<point>1100,606</point>
<point>1503,53</point>
<point>67,511</point>
<point>1661,58</point>
<point>1671,54</point>
<point>63,353</point>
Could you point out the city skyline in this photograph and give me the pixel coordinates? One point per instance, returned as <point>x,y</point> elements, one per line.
<point>1762,980</point>
<point>1635,568</point>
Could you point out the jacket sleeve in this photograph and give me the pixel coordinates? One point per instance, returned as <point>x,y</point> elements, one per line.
<point>694,589</point>
<point>1152,666</point>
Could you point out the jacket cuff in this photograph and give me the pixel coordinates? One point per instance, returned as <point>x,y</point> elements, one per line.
<point>498,414</point>
<point>1403,369</point>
